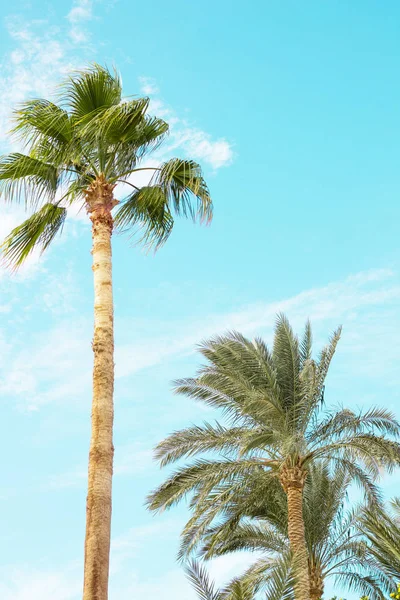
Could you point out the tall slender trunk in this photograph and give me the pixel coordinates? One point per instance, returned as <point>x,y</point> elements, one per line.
<point>99,202</point>
<point>292,480</point>
<point>316,581</point>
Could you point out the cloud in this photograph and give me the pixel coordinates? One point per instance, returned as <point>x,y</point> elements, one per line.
<point>335,303</point>
<point>130,459</point>
<point>366,303</point>
<point>194,142</point>
<point>40,58</point>
<point>148,86</point>
<point>81,12</point>
<point>33,68</point>
<point>31,584</point>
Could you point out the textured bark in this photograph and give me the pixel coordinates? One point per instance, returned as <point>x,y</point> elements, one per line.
<point>99,203</point>
<point>316,582</point>
<point>292,480</point>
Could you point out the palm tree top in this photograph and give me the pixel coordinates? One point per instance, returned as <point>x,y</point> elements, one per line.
<point>93,133</point>
<point>275,419</point>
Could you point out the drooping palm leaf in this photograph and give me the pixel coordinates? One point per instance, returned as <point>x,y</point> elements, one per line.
<point>37,231</point>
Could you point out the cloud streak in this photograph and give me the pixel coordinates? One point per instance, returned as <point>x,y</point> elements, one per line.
<point>195,142</point>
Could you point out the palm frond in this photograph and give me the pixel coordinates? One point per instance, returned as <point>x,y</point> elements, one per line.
<point>146,212</point>
<point>87,92</point>
<point>197,439</point>
<point>182,180</point>
<point>200,474</point>
<point>23,176</point>
<point>40,119</point>
<point>383,535</point>
<point>200,581</point>
<point>286,355</point>
<point>38,231</point>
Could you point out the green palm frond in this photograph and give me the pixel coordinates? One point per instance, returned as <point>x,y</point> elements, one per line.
<point>87,92</point>
<point>305,348</point>
<point>325,359</point>
<point>200,475</point>
<point>118,123</point>
<point>37,231</point>
<point>182,180</point>
<point>287,360</point>
<point>257,535</point>
<point>38,120</point>
<point>383,534</point>
<point>273,577</point>
<point>395,506</point>
<point>197,439</point>
<point>238,590</point>
<point>200,581</point>
<point>146,213</point>
<point>26,177</point>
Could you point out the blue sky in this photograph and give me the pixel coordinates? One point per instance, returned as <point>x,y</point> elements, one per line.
<point>293,111</point>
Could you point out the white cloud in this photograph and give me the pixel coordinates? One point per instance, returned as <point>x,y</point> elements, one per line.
<point>193,141</point>
<point>148,86</point>
<point>81,12</point>
<point>33,68</point>
<point>201,147</point>
<point>130,459</point>
<point>29,584</point>
<point>52,356</point>
<point>366,303</point>
<point>338,302</point>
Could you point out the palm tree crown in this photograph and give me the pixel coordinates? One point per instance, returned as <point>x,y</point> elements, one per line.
<point>257,522</point>
<point>77,152</point>
<point>276,429</point>
<point>94,134</point>
<point>272,402</point>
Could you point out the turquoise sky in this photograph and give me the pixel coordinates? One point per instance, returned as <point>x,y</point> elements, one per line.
<point>293,109</point>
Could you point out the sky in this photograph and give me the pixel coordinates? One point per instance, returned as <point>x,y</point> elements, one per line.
<point>293,110</point>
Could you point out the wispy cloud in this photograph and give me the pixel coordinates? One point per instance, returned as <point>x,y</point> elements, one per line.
<point>41,56</point>
<point>338,302</point>
<point>367,305</point>
<point>193,141</point>
<point>18,583</point>
<point>148,86</point>
<point>130,459</point>
<point>80,13</point>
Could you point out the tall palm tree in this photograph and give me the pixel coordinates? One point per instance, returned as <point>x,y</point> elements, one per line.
<point>275,430</point>
<point>257,522</point>
<point>77,152</point>
<point>382,530</point>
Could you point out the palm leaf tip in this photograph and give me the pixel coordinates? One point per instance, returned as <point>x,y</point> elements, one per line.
<point>200,581</point>
<point>181,180</point>
<point>87,91</point>
<point>39,230</point>
<point>23,176</point>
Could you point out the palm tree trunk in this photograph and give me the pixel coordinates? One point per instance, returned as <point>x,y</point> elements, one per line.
<point>292,480</point>
<point>98,506</point>
<point>316,582</point>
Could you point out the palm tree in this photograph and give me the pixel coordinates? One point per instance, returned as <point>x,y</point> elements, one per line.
<point>257,522</point>
<point>382,530</point>
<point>275,430</point>
<point>76,153</point>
